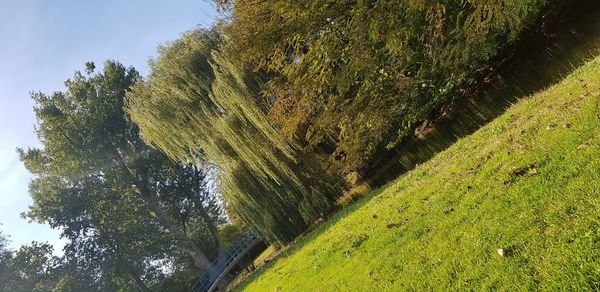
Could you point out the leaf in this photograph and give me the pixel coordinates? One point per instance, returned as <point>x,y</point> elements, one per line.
<point>583,146</point>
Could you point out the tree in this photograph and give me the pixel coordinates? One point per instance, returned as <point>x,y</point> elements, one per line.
<point>34,267</point>
<point>120,202</point>
<point>31,268</point>
<point>197,104</point>
<point>354,78</point>
<point>5,255</point>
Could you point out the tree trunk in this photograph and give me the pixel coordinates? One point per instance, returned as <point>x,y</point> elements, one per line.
<point>212,227</point>
<point>201,261</point>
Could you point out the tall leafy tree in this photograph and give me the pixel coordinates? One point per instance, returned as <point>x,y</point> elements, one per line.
<point>355,77</point>
<point>120,202</point>
<point>198,104</point>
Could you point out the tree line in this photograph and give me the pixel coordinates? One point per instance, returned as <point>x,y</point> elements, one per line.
<point>275,104</point>
<point>289,98</point>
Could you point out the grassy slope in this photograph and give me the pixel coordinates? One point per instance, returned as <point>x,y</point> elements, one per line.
<point>529,183</point>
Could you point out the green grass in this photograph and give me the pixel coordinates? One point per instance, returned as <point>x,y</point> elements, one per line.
<point>528,183</point>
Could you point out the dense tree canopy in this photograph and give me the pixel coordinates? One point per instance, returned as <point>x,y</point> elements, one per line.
<point>31,268</point>
<point>125,207</point>
<point>197,103</point>
<point>358,76</point>
<point>282,99</point>
<point>288,89</point>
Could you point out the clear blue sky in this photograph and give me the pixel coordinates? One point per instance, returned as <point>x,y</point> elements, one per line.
<point>42,42</point>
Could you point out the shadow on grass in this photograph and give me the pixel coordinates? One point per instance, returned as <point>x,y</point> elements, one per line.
<point>301,242</point>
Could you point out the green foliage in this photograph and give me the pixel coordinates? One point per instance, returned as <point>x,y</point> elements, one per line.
<point>5,255</point>
<point>31,268</point>
<point>34,267</point>
<point>123,206</point>
<point>527,183</point>
<point>357,76</point>
<point>229,233</point>
<point>198,105</point>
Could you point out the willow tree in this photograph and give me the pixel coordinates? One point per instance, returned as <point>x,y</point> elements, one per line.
<point>197,104</point>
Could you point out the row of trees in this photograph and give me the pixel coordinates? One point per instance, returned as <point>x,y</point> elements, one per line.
<point>354,78</point>
<point>287,97</point>
<point>283,99</point>
<point>198,104</point>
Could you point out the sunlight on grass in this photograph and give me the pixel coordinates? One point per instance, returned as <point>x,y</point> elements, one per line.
<point>514,206</point>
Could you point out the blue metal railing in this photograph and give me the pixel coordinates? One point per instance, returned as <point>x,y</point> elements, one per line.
<point>225,261</point>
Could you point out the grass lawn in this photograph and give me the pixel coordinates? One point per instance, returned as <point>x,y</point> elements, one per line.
<point>528,184</point>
